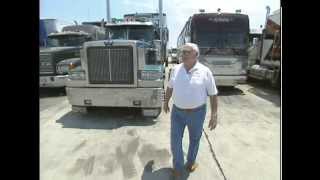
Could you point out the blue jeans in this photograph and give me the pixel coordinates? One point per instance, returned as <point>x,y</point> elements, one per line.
<point>194,121</point>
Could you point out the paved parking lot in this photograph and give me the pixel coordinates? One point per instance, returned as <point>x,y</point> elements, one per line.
<point>109,143</point>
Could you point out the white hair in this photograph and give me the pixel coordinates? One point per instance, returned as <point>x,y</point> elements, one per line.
<point>193,46</point>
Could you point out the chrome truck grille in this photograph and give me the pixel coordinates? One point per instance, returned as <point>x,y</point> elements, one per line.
<point>110,65</point>
<point>46,66</point>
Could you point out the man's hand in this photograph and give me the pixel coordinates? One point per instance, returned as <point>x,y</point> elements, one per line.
<point>213,122</point>
<point>214,112</point>
<point>166,101</point>
<point>166,108</point>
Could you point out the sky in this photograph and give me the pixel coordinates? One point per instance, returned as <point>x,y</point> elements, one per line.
<point>178,11</point>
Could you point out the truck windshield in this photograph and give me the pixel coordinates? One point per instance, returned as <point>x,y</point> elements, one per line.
<point>65,41</point>
<point>131,32</point>
<point>141,33</point>
<point>117,32</point>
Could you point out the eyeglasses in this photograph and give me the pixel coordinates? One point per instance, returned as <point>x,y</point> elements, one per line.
<point>186,52</point>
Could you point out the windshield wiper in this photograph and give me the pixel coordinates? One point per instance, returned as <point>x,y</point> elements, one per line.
<point>236,50</point>
<point>209,50</point>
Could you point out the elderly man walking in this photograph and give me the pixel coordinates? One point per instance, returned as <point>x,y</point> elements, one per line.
<point>190,84</point>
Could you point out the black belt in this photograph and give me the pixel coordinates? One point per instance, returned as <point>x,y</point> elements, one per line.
<point>190,110</point>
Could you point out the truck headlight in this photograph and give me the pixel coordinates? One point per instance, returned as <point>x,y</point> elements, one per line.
<point>151,75</point>
<point>72,66</point>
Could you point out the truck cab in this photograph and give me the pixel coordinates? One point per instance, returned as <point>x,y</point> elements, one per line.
<point>125,70</point>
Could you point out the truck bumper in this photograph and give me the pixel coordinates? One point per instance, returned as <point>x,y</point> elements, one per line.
<point>115,97</point>
<point>230,80</point>
<point>261,73</point>
<point>53,81</point>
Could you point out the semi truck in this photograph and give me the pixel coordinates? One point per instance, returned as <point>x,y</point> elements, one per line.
<point>124,70</point>
<point>62,51</point>
<point>265,54</point>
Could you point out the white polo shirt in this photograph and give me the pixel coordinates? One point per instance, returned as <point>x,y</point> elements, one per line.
<point>190,89</point>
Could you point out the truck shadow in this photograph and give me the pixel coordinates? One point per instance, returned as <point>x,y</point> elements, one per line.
<point>105,118</point>
<point>263,90</point>
<point>51,92</point>
<point>160,174</point>
<point>229,91</point>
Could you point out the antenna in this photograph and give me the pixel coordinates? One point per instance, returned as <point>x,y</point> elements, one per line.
<point>161,20</point>
<point>88,13</point>
<point>108,11</point>
<point>102,23</point>
<point>267,15</point>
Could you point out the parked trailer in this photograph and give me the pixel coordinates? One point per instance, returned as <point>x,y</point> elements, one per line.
<point>265,54</point>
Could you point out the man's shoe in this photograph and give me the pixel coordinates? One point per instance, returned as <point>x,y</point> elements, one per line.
<point>192,167</point>
<point>176,173</point>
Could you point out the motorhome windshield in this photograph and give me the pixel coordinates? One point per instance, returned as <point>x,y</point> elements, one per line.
<point>220,39</point>
<point>220,31</point>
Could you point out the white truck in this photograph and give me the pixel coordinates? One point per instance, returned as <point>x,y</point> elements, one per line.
<point>265,54</point>
<point>125,70</point>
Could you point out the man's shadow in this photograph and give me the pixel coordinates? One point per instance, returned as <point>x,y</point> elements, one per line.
<point>160,174</point>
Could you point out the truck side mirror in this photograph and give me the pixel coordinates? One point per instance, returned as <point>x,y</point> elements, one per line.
<point>156,34</point>
<point>254,41</point>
